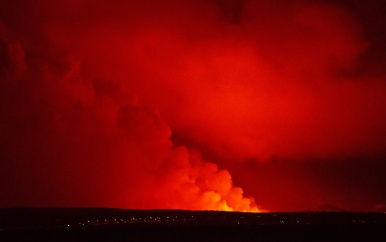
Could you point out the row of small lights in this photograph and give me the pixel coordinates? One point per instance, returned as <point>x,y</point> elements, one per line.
<point>131,220</point>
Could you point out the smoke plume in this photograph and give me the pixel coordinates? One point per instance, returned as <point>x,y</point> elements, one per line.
<point>154,104</point>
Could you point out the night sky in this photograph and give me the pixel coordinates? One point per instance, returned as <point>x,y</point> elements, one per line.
<point>193,104</point>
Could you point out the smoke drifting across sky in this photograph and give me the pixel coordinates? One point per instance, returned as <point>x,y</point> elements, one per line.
<point>156,104</point>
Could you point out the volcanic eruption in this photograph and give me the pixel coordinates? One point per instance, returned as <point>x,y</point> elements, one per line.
<point>155,104</point>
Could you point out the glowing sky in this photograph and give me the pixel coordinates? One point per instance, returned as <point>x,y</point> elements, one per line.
<point>196,104</point>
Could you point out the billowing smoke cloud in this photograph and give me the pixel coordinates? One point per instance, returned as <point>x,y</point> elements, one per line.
<point>72,140</point>
<point>138,105</point>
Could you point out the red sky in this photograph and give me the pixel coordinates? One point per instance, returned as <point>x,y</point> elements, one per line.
<point>207,104</point>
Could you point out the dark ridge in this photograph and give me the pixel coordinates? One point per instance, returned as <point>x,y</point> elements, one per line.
<point>109,224</point>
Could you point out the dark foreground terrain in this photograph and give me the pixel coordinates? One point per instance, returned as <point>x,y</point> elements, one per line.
<point>98,224</point>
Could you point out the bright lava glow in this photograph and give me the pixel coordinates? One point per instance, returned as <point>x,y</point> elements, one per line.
<point>231,105</point>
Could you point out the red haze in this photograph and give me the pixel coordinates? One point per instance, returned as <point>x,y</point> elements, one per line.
<point>155,105</point>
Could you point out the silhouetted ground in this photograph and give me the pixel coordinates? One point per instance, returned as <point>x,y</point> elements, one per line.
<point>95,224</point>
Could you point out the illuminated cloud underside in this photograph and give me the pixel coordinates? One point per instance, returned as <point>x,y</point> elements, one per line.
<point>150,105</point>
